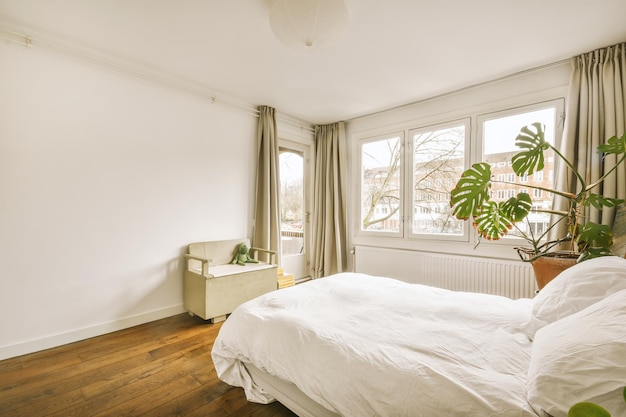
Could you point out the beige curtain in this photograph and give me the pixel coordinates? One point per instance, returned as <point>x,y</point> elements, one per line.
<point>267,208</point>
<point>329,195</point>
<point>596,111</point>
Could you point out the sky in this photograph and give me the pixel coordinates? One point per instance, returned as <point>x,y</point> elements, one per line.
<point>500,133</point>
<point>291,167</point>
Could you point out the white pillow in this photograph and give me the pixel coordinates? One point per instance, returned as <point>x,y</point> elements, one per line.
<point>581,357</point>
<point>576,288</point>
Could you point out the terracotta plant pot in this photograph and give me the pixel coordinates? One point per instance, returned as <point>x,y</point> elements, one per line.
<point>546,268</point>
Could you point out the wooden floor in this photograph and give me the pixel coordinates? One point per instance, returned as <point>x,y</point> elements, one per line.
<point>161,369</point>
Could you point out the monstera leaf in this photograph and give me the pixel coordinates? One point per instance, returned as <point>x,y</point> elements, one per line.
<point>491,221</point>
<point>532,143</point>
<point>587,409</point>
<point>517,208</point>
<point>599,201</point>
<point>614,145</point>
<point>494,220</point>
<point>471,191</point>
<point>594,235</point>
<point>593,252</point>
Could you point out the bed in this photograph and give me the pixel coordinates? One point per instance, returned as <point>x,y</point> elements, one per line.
<point>354,345</point>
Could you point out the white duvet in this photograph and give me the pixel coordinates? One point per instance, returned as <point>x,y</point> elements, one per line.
<point>371,346</point>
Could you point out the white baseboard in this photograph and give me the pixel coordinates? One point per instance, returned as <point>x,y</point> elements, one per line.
<point>59,339</point>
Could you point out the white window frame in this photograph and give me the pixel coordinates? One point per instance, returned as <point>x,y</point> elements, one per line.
<point>408,190</point>
<point>473,154</point>
<point>360,143</point>
<point>558,105</point>
<point>308,152</point>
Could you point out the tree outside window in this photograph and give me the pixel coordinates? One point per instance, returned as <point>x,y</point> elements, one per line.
<point>381,161</point>
<point>437,160</point>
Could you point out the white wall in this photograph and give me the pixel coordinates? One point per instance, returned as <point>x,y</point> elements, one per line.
<point>104,180</point>
<point>544,84</point>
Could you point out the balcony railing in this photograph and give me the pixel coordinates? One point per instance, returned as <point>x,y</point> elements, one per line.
<point>292,242</point>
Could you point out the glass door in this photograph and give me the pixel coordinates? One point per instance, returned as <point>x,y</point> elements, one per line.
<point>294,215</point>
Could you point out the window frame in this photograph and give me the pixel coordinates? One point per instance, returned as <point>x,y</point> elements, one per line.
<point>473,153</point>
<point>307,149</point>
<point>409,196</point>
<point>559,106</point>
<point>359,202</point>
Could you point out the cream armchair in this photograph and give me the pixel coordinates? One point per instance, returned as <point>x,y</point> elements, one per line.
<point>213,287</point>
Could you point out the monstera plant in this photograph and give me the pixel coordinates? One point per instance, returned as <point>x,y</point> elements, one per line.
<point>470,199</point>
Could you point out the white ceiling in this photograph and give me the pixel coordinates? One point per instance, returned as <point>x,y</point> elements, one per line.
<point>395,51</point>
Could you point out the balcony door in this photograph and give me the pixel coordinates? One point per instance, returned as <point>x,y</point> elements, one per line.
<point>294,212</point>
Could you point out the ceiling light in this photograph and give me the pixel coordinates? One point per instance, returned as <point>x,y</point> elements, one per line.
<point>308,24</point>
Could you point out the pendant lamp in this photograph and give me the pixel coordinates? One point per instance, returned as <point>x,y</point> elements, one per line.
<point>308,24</point>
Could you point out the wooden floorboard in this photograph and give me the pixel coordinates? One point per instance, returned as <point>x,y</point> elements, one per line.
<point>163,368</point>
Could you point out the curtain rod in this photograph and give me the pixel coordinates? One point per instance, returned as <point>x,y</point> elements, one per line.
<point>122,66</point>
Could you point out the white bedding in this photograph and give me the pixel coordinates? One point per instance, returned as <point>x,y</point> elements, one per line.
<point>371,346</point>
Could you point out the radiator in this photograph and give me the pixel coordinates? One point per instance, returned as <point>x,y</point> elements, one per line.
<point>513,279</point>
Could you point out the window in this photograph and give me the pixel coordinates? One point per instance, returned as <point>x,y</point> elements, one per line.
<point>437,158</point>
<point>406,177</point>
<point>381,181</point>
<point>499,132</point>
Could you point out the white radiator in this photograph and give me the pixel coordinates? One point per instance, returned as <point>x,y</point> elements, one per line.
<point>513,279</point>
